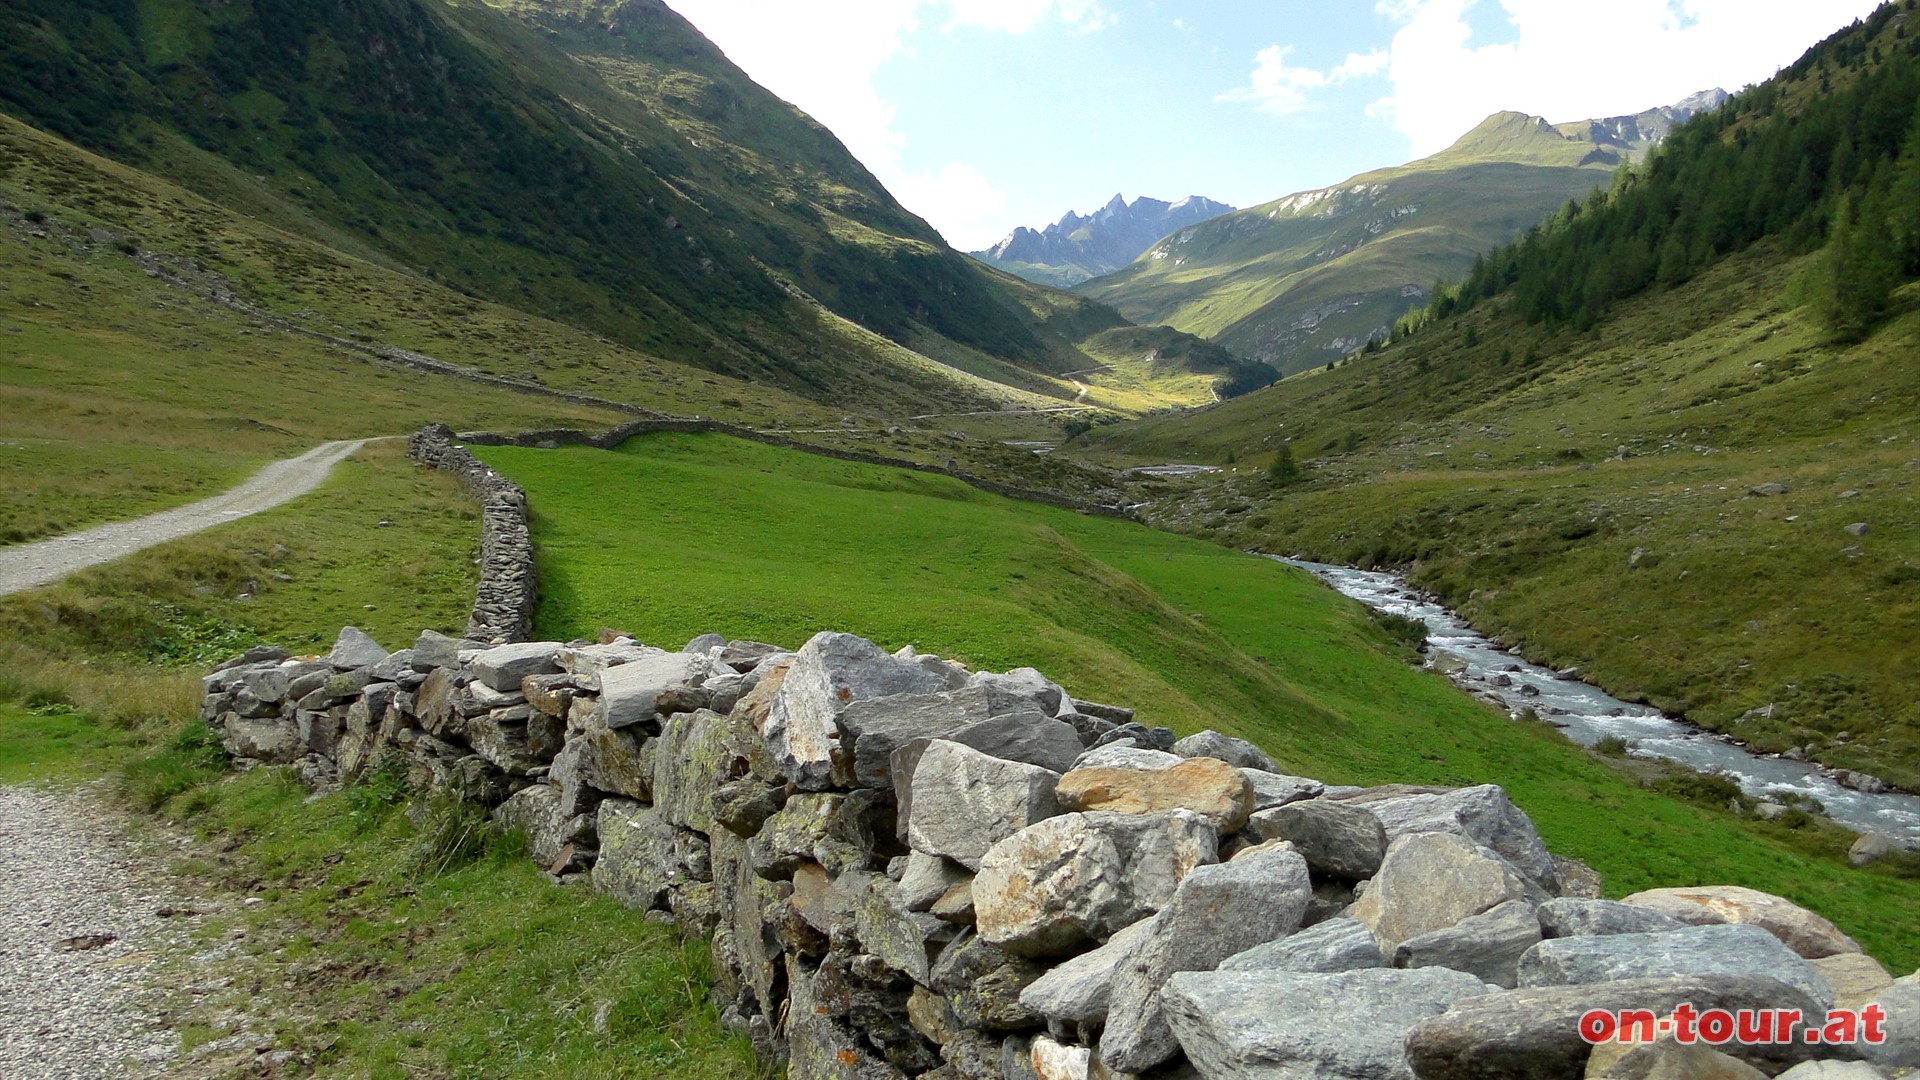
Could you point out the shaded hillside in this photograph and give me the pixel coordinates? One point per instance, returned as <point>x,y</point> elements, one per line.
<point>1699,489</point>
<point>1315,275</point>
<point>1077,247</point>
<point>547,161</point>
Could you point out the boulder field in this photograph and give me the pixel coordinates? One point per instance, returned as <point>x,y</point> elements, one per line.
<point>909,869</point>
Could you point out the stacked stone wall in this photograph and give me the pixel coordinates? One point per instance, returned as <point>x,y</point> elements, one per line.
<point>908,869</point>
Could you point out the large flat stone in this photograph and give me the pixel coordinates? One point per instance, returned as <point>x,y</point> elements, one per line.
<point>1568,917</point>
<point>1026,737</point>
<point>503,667</point>
<point>1535,1032</point>
<point>1277,789</point>
<point>1801,930</point>
<point>964,801</point>
<point>876,727</point>
<point>1696,950</point>
<point>1334,945</point>
<point>1077,991</point>
<point>1057,887</point>
<point>1208,787</point>
<point>630,693</point>
<point>1282,1025</point>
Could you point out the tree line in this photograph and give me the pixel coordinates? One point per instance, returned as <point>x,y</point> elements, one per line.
<point>1824,156</point>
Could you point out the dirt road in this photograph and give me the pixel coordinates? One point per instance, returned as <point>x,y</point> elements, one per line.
<point>32,565</point>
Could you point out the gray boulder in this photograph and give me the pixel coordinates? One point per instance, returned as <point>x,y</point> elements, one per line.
<point>689,761</point>
<point>1236,752</point>
<point>874,728</point>
<point>802,729</point>
<point>1026,737</point>
<point>1431,881</point>
<point>1020,690</point>
<point>504,666</point>
<point>433,649</point>
<point>630,692</point>
<point>1482,814</point>
<point>270,740</point>
<point>927,878</point>
<point>1833,1070</point>
<point>1217,911</point>
<point>641,856</point>
<point>1535,1032</point>
<point>1054,888</point>
<point>354,649</point>
<point>1695,950</point>
<point>553,838</point>
<point>1269,1025</point>
<point>1564,917</point>
<point>1077,991</point>
<point>964,801</point>
<point>1116,756</point>
<point>1901,1004</point>
<point>1336,839</point>
<point>1488,945</point>
<point>1334,945</point>
<point>1272,789</point>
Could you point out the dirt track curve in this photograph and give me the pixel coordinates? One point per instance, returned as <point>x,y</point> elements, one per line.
<point>31,565</point>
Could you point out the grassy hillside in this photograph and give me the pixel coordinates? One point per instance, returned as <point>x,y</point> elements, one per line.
<point>598,164</point>
<point>1485,456</point>
<point>1191,634</point>
<point>1669,440</point>
<point>1308,278</point>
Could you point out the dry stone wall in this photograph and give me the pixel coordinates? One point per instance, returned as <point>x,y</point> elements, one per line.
<point>504,600</point>
<point>909,869</point>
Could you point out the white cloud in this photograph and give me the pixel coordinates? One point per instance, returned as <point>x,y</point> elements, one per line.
<point>1566,60</point>
<point>823,58</point>
<point>1279,89</point>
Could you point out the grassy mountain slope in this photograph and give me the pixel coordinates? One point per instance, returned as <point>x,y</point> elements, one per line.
<point>1191,635</point>
<point>1305,279</point>
<point>1700,493</point>
<point>551,159</point>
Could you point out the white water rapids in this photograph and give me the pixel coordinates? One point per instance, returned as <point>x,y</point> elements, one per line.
<point>1587,714</point>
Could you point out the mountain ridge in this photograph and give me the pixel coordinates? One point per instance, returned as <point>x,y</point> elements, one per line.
<point>1314,275</point>
<point>547,154</point>
<point>1079,247</point>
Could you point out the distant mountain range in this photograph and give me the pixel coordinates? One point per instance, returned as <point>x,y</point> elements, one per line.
<point>1077,248</point>
<point>1312,276</point>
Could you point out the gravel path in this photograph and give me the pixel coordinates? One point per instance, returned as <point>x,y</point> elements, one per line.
<point>31,565</point>
<point>74,1004</point>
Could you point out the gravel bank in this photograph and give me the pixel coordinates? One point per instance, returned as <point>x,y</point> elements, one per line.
<point>73,1004</point>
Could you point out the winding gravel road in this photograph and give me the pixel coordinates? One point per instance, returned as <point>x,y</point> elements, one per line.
<point>29,566</point>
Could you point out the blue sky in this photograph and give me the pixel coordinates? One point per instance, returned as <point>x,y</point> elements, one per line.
<point>985,114</point>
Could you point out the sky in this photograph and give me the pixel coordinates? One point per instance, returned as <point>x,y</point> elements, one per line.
<point>980,115</point>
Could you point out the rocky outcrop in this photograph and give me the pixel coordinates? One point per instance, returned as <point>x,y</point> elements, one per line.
<point>907,869</point>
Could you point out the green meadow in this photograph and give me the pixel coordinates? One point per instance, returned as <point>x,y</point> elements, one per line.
<point>672,536</point>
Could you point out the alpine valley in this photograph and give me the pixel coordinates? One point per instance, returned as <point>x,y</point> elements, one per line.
<point>520,557</point>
